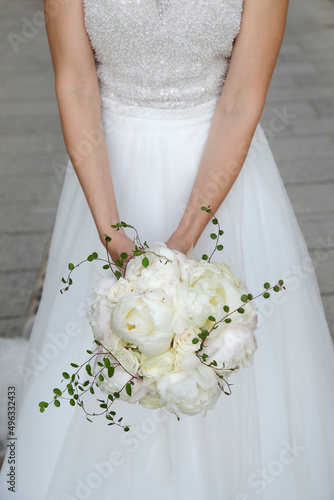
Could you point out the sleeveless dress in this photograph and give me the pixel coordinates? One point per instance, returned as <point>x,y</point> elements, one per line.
<point>161,67</point>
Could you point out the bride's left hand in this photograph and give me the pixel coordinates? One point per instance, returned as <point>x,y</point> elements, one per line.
<point>177,244</point>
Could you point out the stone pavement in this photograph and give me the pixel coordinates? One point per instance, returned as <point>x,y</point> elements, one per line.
<point>33,154</point>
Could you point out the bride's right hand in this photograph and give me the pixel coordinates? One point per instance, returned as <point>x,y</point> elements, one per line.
<point>120,244</point>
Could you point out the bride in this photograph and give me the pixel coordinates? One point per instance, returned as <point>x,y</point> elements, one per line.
<point>159,103</point>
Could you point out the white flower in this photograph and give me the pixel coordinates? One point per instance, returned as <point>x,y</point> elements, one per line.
<point>182,342</point>
<point>159,273</point>
<point>129,359</point>
<point>118,289</point>
<point>233,346</point>
<point>189,391</point>
<point>99,316</point>
<point>118,381</point>
<point>157,366</point>
<point>192,308</point>
<point>145,321</point>
<point>220,287</point>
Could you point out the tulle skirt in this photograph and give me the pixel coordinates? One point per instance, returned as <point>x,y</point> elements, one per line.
<point>273,438</point>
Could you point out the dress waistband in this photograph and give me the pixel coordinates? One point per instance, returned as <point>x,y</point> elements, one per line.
<point>158,113</point>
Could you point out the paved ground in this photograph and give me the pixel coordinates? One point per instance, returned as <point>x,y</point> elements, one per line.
<point>32,149</point>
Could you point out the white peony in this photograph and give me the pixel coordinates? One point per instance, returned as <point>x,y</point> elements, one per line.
<point>189,391</point>
<point>160,273</point>
<point>192,308</point>
<point>216,281</point>
<point>144,320</point>
<point>233,346</point>
<point>99,316</point>
<point>118,289</point>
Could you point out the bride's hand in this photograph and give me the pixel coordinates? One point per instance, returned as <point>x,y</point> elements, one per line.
<point>175,243</point>
<point>120,244</point>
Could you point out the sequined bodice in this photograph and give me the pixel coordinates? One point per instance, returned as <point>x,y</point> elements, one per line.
<point>170,55</point>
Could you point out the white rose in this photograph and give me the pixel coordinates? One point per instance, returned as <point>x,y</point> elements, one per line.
<point>145,321</point>
<point>159,273</point>
<point>129,359</point>
<point>234,346</point>
<point>189,391</point>
<point>183,342</point>
<point>118,289</point>
<point>157,366</point>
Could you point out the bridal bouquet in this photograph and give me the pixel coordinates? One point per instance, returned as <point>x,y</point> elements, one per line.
<point>168,333</point>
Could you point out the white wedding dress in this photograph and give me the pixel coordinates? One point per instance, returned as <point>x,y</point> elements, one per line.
<point>161,68</point>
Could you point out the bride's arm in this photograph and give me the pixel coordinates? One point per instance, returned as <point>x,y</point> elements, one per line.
<point>236,116</point>
<point>78,99</point>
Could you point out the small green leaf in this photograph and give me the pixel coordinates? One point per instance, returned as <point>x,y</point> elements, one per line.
<point>266,285</point>
<point>91,390</point>
<point>111,371</point>
<point>205,257</point>
<point>281,282</point>
<point>203,208</point>
<point>101,378</point>
<point>72,402</point>
<point>145,262</point>
<point>221,232</point>
<point>226,309</point>
<point>250,296</point>
<point>220,247</point>
<point>57,392</point>
<point>56,403</point>
<point>118,274</point>
<point>66,375</point>
<point>244,298</point>
<point>106,362</point>
<point>195,340</point>
<point>213,236</point>
<point>106,266</point>
<point>241,310</point>
<point>214,221</point>
<point>227,320</point>
<point>124,255</point>
<point>128,389</point>
<point>266,295</point>
<point>276,288</point>
<point>74,365</point>
<point>126,429</point>
<point>212,318</point>
<point>71,266</point>
<point>107,238</point>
